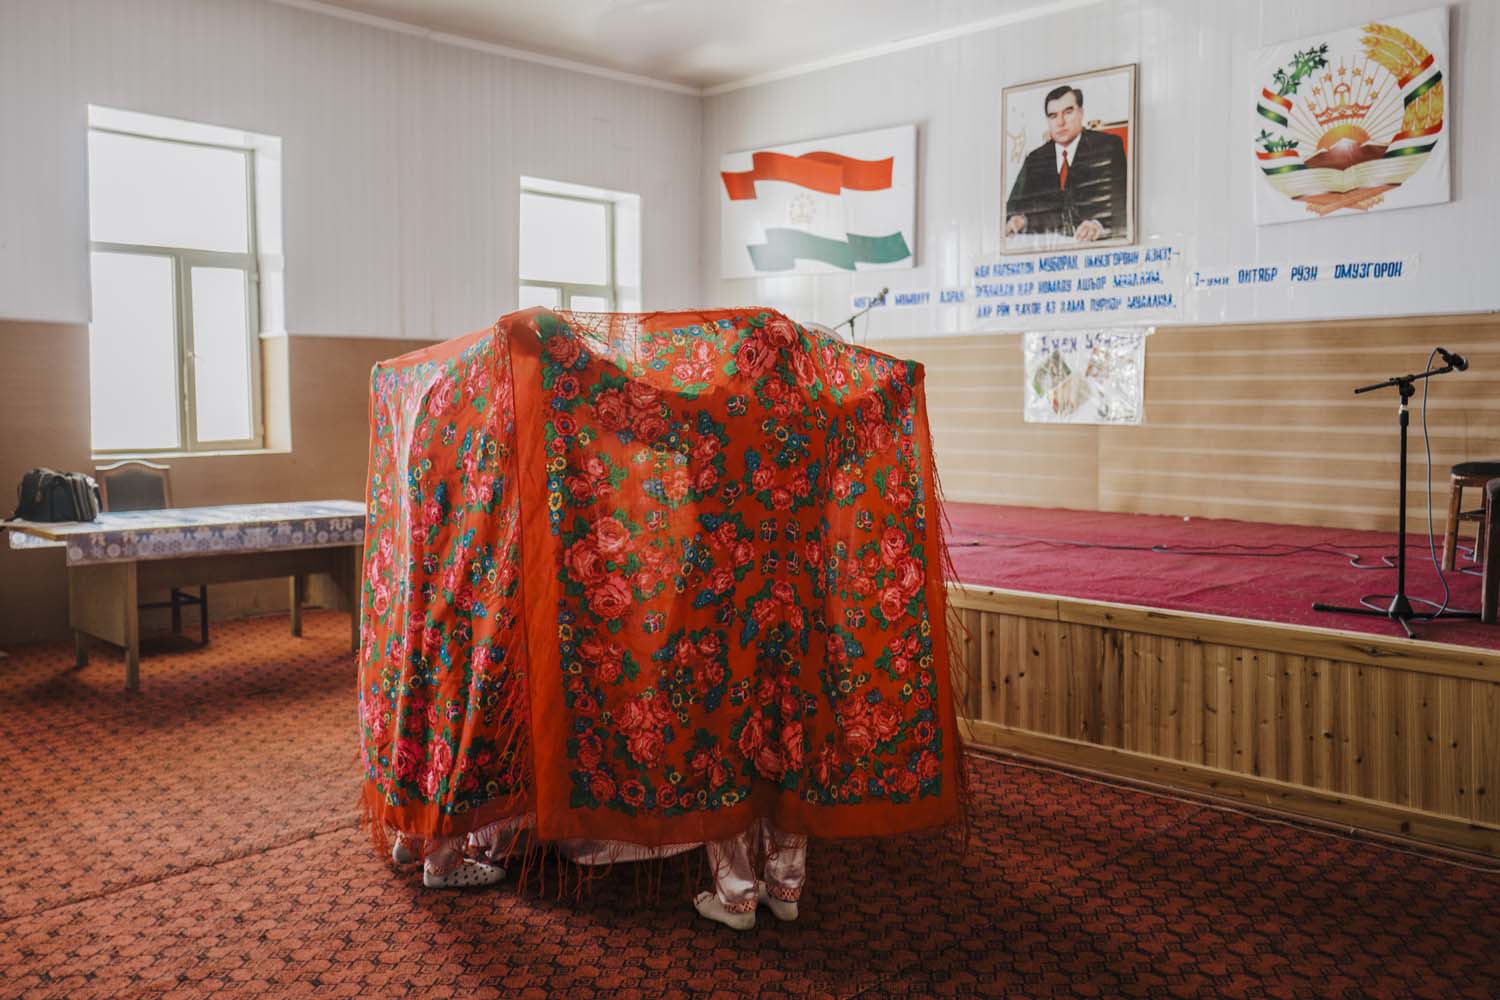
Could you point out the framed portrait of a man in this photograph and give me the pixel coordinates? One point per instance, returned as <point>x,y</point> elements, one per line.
<point>1067,164</point>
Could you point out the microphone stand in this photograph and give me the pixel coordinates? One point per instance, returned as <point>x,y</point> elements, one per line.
<point>1400,609</point>
<point>878,300</point>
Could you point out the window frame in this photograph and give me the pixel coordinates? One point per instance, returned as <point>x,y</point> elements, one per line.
<point>184,259</point>
<point>566,289</point>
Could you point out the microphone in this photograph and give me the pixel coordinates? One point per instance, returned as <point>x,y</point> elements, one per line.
<point>1456,360</point>
<point>881,297</point>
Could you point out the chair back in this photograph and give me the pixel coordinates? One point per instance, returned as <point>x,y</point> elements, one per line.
<point>134,485</point>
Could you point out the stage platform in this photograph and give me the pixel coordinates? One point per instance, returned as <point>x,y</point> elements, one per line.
<point>1185,652</point>
<point>1237,569</point>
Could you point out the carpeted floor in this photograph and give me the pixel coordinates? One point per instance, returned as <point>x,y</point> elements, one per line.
<point>1242,569</point>
<point>199,839</point>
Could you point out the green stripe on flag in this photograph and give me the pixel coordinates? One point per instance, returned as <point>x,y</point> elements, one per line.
<point>784,247</point>
<point>1417,92</point>
<point>1266,112</point>
<point>1410,150</point>
<point>1289,168</point>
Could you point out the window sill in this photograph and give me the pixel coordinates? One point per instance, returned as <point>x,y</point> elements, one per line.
<point>151,456</point>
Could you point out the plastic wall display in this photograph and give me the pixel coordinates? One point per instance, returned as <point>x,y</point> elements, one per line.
<point>1085,377</point>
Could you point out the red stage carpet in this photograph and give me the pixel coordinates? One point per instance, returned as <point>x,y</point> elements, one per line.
<point>198,839</point>
<point>1268,572</point>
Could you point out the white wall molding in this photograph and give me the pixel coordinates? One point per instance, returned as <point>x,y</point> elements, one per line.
<point>493,48</point>
<point>915,42</point>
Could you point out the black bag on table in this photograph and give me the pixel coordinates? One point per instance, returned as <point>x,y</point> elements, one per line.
<point>49,495</point>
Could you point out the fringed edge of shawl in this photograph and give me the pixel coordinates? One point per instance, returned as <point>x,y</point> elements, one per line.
<point>545,870</point>
<point>960,678</point>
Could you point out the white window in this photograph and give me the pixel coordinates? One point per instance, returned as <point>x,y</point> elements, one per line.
<point>176,266</point>
<point>580,247</point>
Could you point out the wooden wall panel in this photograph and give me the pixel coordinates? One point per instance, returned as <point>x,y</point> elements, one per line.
<point>1484,730</point>
<point>1412,747</point>
<point>1254,422</point>
<point>44,421</point>
<point>974,405</point>
<point>44,410</point>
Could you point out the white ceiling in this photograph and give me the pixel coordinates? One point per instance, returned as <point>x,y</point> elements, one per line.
<point>699,44</point>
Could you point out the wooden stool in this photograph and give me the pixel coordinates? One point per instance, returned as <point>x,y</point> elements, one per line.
<point>1473,475</point>
<point>1490,596</point>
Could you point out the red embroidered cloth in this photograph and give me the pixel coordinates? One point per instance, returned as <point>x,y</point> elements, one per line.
<point>649,577</point>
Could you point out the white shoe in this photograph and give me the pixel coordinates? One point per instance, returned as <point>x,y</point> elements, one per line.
<point>781,909</point>
<point>708,905</point>
<point>401,851</point>
<point>469,874</point>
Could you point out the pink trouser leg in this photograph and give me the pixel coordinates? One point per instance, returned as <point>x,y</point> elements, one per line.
<point>786,862</point>
<point>734,872</point>
<point>734,876</point>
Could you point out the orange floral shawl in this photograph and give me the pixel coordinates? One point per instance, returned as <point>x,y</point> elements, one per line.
<point>649,577</point>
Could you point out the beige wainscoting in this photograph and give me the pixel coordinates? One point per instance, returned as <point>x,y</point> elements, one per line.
<point>1387,735</point>
<point>1257,422</point>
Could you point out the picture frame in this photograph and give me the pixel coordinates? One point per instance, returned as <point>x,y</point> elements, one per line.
<point>1091,205</point>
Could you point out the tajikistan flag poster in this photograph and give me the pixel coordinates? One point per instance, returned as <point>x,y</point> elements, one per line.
<point>843,204</point>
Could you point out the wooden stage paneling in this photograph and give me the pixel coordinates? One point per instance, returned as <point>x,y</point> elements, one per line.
<point>1386,735</point>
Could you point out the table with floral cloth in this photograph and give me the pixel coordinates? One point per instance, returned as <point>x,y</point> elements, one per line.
<point>113,559</point>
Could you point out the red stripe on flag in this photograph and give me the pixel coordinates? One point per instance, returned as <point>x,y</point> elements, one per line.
<point>1274,99</point>
<point>829,173</point>
<point>1416,72</point>
<point>1418,133</point>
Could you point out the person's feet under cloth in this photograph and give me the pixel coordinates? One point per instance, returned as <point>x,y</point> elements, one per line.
<point>709,905</point>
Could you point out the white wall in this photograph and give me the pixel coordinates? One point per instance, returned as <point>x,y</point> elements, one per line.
<point>402,154</point>
<point>1195,101</point>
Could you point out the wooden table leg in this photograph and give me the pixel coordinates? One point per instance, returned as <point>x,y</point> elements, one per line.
<point>1450,530</point>
<point>298,594</point>
<point>349,587</point>
<point>132,612</point>
<point>80,648</point>
<point>103,603</point>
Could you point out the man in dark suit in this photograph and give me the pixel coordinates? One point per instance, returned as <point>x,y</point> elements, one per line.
<point>1075,183</point>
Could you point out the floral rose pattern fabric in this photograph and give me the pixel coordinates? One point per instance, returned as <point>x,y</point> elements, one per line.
<point>650,578</point>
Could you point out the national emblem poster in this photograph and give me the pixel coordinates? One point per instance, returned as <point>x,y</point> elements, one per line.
<point>842,204</point>
<point>1353,121</point>
<point>1085,377</point>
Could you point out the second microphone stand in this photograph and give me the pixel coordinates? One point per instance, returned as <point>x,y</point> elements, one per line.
<point>1400,609</point>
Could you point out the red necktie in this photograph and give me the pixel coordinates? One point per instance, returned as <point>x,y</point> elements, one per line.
<point>1062,174</point>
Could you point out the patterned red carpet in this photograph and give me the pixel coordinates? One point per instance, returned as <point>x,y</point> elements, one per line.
<point>199,839</point>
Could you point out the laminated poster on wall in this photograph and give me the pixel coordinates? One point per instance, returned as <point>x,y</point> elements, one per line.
<point>1353,121</point>
<point>1085,376</point>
